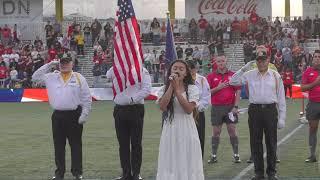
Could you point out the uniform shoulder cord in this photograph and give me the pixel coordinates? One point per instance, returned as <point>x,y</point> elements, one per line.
<point>78,78</point>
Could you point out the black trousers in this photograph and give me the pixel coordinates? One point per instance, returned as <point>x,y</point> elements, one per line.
<point>201,126</point>
<point>65,126</point>
<point>263,119</point>
<point>129,126</point>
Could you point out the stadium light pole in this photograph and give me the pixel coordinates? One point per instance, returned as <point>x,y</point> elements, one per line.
<point>172,8</point>
<point>59,11</point>
<point>287,8</point>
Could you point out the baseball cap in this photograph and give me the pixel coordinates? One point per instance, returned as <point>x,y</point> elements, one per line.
<point>65,60</point>
<point>261,53</point>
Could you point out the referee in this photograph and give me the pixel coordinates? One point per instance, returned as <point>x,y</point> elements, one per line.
<point>311,83</point>
<point>69,96</point>
<point>128,115</point>
<point>267,111</point>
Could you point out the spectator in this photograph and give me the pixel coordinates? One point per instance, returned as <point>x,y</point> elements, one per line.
<point>155,29</point>
<point>316,24</point>
<point>244,27</point>
<point>248,51</point>
<point>193,30</point>
<point>96,30</point>
<point>308,26</point>
<point>278,61</point>
<point>3,73</point>
<point>24,79</point>
<point>13,77</point>
<point>202,23</point>
<point>38,43</point>
<point>219,29</point>
<point>6,35</point>
<point>209,32</point>
<point>196,55</point>
<point>179,52</point>
<point>38,62</point>
<point>57,28</point>
<point>287,77</point>
<point>254,18</point>
<point>52,52</point>
<point>108,32</point>
<point>96,71</point>
<point>16,34</point>
<point>287,56</point>
<point>147,60</point>
<point>155,61</point>
<point>188,51</point>
<point>235,26</point>
<point>220,46</point>
<point>163,30</point>
<point>48,28</point>
<point>80,43</point>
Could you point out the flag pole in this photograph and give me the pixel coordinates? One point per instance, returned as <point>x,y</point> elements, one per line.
<point>165,67</point>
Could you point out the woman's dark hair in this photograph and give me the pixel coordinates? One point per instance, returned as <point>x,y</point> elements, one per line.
<point>186,81</point>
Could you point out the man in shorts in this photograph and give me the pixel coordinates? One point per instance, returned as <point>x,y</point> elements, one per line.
<point>224,100</point>
<point>311,83</point>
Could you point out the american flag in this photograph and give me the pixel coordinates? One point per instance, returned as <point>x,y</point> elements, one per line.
<point>128,57</point>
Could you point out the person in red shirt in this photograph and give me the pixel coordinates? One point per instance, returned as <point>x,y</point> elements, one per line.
<point>254,18</point>
<point>6,34</point>
<point>224,100</point>
<point>203,23</point>
<point>287,77</point>
<point>52,52</point>
<point>311,83</point>
<point>3,71</point>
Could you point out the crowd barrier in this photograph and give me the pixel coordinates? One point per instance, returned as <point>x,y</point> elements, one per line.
<point>98,94</point>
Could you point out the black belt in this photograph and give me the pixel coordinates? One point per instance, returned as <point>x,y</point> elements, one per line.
<point>263,105</point>
<point>129,106</point>
<point>79,108</point>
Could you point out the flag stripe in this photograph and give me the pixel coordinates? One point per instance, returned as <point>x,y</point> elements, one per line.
<point>116,73</point>
<point>134,23</point>
<point>125,50</point>
<point>119,64</point>
<point>132,67</point>
<point>132,39</point>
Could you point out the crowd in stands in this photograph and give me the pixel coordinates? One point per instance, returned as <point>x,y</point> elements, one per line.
<point>19,59</point>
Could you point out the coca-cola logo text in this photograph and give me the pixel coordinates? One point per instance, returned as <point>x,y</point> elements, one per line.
<point>227,6</point>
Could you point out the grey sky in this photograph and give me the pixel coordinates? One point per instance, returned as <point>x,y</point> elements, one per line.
<point>145,9</point>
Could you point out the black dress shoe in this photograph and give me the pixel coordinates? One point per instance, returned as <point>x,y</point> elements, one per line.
<point>57,178</point>
<point>123,178</point>
<point>137,177</point>
<point>256,177</point>
<point>274,177</point>
<point>78,177</point>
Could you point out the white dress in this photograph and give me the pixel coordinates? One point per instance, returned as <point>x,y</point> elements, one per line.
<point>180,152</point>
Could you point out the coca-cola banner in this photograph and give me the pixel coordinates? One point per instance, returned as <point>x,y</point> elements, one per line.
<point>222,9</point>
<point>311,8</point>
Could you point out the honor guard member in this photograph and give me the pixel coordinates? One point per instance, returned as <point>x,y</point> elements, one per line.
<point>224,99</point>
<point>267,111</point>
<point>311,83</point>
<point>204,101</point>
<point>128,115</point>
<point>69,96</point>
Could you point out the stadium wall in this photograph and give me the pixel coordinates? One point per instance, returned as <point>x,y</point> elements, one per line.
<point>98,94</point>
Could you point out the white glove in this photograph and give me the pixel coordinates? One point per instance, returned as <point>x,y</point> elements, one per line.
<point>83,119</point>
<point>248,66</point>
<point>53,63</point>
<point>281,124</point>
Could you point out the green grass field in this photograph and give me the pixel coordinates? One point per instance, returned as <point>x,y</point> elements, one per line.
<point>27,149</point>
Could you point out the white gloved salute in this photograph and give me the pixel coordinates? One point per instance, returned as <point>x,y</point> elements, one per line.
<point>248,66</point>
